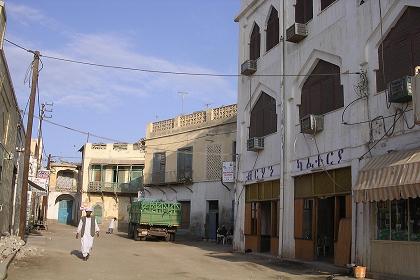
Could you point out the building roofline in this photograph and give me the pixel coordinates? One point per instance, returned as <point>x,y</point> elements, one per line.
<point>245,10</point>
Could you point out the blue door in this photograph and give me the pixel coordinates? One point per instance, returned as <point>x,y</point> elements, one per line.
<point>64,211</point>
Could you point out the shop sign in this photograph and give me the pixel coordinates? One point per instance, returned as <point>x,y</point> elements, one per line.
<point>43,174</point>
<point>320,160</point>
<point>262,173</point>
<point>228,172</point>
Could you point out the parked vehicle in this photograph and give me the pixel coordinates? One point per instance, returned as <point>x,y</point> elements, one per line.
<point>153,218</point>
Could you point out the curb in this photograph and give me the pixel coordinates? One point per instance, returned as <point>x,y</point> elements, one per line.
<point>5,265</point>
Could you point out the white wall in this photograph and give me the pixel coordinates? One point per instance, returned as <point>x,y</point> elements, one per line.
<point>198,193</point>
<point>344,34</point>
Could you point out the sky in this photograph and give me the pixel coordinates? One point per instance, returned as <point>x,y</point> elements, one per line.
<point>182,35</point>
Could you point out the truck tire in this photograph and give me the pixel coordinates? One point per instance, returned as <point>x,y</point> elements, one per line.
<point>168,237</point>
<point>130,231</point>
<point>136,233</point>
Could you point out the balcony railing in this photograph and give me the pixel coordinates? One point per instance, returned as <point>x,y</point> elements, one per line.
<point>112,187</point>
<point>66,188</point>
<point>168,178</point>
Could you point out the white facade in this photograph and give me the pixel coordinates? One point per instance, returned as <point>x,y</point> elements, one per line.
<point>346,34</point>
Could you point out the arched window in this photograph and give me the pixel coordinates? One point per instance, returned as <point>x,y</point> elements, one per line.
<point>272,33</point>
<point>263,117</point>
<point>322,93</point>
<point>255,42</point>
<point>400,49</point>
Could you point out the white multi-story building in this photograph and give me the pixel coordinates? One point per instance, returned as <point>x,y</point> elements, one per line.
<point>346,189</point>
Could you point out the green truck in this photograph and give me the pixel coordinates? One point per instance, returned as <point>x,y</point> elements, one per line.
<point>154,218</point>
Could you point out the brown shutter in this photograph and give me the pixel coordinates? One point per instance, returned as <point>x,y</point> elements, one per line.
<point>255,42</point>
<point>299,11</point>
<point>247,224</point>
<point>299,218</point>
<point>326,3</point>
<point>272,34</point>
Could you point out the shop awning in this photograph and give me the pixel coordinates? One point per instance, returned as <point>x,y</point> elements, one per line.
<point>391,176</point>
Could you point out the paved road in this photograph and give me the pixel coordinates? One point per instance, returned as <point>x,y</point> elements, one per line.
<point>116,257</point>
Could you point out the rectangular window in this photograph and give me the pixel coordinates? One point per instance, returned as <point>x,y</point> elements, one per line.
<point>303,11</point>
<point>399,218</point>
<point>414,225</point>
<point>159,165</point>
<point>308,205</point>
<point>184,164</point>
<point>383,220</point>
<point>136,172</point>
<point>96,173</point>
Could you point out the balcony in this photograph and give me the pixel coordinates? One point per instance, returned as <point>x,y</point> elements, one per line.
<point>163,178</point>
<point>113,187</point>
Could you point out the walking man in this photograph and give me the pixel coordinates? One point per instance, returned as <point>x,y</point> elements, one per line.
<point>111,226</point>
<point>87,229</point>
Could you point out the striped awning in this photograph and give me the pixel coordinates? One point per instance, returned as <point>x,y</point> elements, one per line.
<point>388,177</point>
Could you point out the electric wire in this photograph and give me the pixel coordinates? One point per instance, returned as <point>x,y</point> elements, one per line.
<point>385,134</point>
<point>185,73</point>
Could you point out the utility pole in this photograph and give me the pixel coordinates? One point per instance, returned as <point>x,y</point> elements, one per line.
<point>41,118</point>
<point>182,94</point>
<point>27,154</point>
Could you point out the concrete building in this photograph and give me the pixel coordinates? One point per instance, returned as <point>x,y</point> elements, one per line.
<point>184,157</point>
<point>11,133</point>
<point>112,176</point>
<point>64,195</point>
<point>338,64</point>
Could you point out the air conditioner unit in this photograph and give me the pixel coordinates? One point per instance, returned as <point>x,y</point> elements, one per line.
<point>312,124</point>
<point>249,67</point>
<point>255,144</point>
<point>296,33</point>
<point>400,91</point>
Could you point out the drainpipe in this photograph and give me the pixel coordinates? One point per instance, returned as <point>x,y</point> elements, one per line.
<point>283,134</point>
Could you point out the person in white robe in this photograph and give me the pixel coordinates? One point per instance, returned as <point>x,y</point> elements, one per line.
<point>87,229</point>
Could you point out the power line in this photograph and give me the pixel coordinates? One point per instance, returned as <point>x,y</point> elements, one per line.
<point>81,131</point>
<point>153,71</point>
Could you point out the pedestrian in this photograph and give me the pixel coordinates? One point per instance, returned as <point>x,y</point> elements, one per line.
<point>111,225</point>
<point>87,229</point>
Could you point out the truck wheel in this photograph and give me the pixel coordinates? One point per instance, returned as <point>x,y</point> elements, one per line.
<point>136,234</point>
<point>168,237</point>
<point>130,230</point>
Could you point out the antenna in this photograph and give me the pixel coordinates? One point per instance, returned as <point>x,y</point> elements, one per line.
<point>182,94</point>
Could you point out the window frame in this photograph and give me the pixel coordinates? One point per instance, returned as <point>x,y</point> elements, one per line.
<point>255,42</point>
<point>272,29</point>
<point>264,107</point>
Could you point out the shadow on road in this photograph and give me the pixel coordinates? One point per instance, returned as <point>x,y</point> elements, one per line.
<point>77,254</point>
<point>225,252</point>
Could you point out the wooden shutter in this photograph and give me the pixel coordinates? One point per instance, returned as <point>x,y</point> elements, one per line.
<point>247,223</point>
<point>272,34</point>
<point>255,43</point>
<point>326,3</point>
<point>308,10</point>
<point>299,11</point>
<point>400,49</point>
<point>263,119</point>
<point>299,218</point>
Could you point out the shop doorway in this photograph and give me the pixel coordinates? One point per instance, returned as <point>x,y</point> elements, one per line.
<point>212,219</point>
<point>325,229</point>
<point>265,226</point>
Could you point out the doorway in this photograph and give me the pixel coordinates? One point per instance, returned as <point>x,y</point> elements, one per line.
<point>212,219</point>
<point>65,208</point>
<point>265,245</point>
<point>185,214</point>
<point>97,212</point>
<point>325,229</point>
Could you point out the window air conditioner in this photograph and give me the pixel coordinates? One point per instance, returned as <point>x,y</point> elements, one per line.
<point>400,91</point>
<point>296,33</point>
<point>249,67</point>
<point>255,144</point>
<point>312,124</point>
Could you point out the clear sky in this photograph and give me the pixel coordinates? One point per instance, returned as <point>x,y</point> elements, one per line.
<point>181,35</point>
